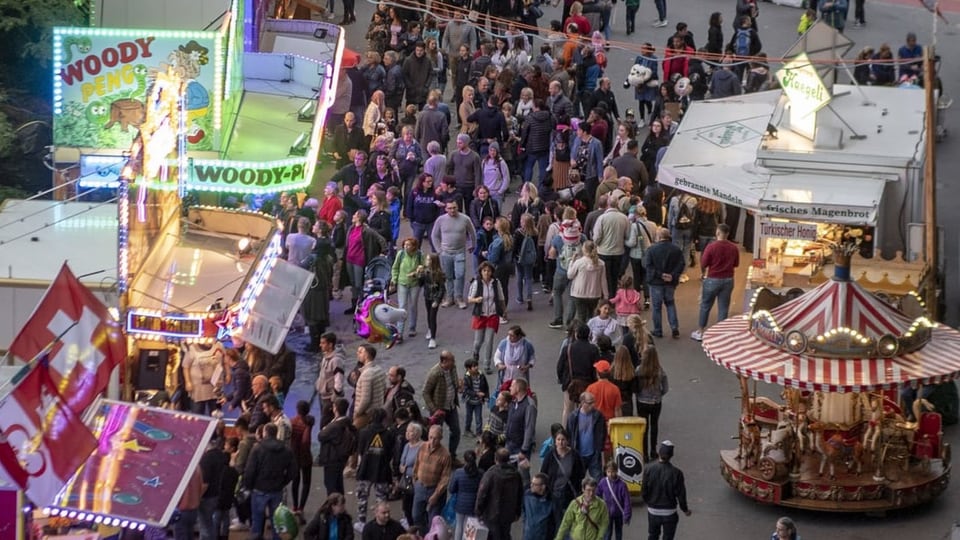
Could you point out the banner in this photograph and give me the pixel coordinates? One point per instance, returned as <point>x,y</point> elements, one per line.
<point>42,441</point>
<point>103,77</point>
<point>85,343</point>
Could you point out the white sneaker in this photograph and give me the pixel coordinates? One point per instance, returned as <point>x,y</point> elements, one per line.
<point>404,523</point>
<point>429,336</point>
<point>237,526</point>
<point>641,123</point>
<point>432,344</point>
<point>357,526</point>
<point>660,24</point>
<point>696,335</point>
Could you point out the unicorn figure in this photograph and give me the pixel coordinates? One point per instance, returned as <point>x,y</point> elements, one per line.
<point>376,320</point>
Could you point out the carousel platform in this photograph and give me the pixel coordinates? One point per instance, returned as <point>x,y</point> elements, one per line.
<point>921,482</point>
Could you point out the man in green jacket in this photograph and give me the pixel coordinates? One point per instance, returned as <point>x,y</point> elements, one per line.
<point>440,392</point>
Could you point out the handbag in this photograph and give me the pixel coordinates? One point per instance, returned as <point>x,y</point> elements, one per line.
<point>406,485</point>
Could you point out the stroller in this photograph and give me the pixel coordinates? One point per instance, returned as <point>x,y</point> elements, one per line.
<point>376,277</point>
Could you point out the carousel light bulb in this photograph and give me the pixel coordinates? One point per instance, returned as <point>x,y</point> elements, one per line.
<point>45,511</point>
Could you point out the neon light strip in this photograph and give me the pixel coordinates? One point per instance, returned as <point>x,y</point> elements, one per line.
<point>123,234</point>
<point>134,32</point>
<point>57,66</point>
<point>218,70</point>
<point>231,46</point>
<point>249,297</point>
<point>328,96</point>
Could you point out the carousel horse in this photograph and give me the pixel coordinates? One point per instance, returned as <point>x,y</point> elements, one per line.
<point>749,450</point>
<point>839,449</point>
<point>377,320</point>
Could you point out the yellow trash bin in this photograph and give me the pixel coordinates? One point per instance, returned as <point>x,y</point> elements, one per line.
<point>626,437</point>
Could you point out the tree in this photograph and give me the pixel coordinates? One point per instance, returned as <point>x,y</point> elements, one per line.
<point>26,27</point>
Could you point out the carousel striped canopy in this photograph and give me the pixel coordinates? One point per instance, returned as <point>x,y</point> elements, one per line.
<point>834,304</point>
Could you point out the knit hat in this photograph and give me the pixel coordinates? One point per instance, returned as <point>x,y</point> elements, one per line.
<point>495,145</point>
<point>665,450</point>
<point>570,231</point>
<point>602,366</point>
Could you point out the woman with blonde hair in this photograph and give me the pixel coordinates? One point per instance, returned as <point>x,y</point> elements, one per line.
<point>637,337</point>
<point>528,203</point>
<point>652,386</point>
<point>466,109</point>
<point>500,255</point>
<point>374,114</point>
<point>623,374</point>
<point>588,281</point>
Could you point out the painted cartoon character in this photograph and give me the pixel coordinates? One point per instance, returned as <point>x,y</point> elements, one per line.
<point>96,113</point>
<point>186,62</point>
<point>82,43</point>
<point>377,320</point>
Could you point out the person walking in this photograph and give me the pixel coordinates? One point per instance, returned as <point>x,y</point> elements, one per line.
<point>538,521</point>
<point>334,446</point>
<point>565,247</point>
<point>566,471</point>
<point>413,443</point>
<point>454,236</point>
<point>407,274</point>
<point>525,253</point>
<point>719,261</point>
<point>464,486</point>
<point>588,281</point>
<point>653,385</point>
<point>301,437</point>
<point>515,356</point>
<point>441,396</point>
<point>575,365</point>
<point>500,496</point>
<point>664,264</point>
<point>663,491</point>
<point>270,468</point>
<point>375,447</point>
<point>588,433</point>
<point>610,234</point>
<point>431,474</point>
<point>614,493</point>
<point>434,291</point>
<point>586,517</point>
<point>489,305</point>
<point>786,529</point>
<point>475,392</point>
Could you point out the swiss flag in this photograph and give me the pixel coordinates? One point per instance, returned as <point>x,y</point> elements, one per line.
<point>85,344</point>
<point>42,441</point>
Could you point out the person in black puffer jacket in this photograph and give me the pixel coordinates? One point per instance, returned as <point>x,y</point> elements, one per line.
<point>422,208</point>
<point>535,140</point>
<point>270,468</point>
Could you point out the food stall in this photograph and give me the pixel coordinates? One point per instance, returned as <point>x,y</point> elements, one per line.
<point>812,162</point>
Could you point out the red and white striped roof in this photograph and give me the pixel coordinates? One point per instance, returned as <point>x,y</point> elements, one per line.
<point>731,345</point>
<point>834,304</point>
<point>840,304</point>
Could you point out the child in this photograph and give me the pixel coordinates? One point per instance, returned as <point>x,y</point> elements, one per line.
<point>626,302</point>
<point>390,119</point>
<point>475,392</point>
<point>604,324</point>
<point>276,385</point>
<point>409,119</point>
<point>806,21</point>
<point>497,421</point>
<point>434,290</point>
<point>485,237</point>
<point>393,200</point>
<point>632,7</point>
<point>614,492</point>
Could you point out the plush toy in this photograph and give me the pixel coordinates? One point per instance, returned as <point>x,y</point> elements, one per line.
<point>377,320</point>
<point>683,87</point>
<point>638,76</point>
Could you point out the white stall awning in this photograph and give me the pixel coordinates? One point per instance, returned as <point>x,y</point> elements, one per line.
<point>825,199</point>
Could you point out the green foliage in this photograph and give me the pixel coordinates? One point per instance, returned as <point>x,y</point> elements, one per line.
<point>29,25</point>
<point>12,193</point>
<point>7,141</point>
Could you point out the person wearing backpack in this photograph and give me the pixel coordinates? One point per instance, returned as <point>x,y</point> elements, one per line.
<point>681,215</point>
<point>744,42</point>
<point>565,248</point>
<point>525,253</point>
<point>338,441</point>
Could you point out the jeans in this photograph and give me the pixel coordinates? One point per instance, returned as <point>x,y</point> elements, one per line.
<point>524,282</point>
<point>421,231</point>
<point>663,295</point>
<point>183,528</point>
<point>205,407</point>
<point>594,464</point>
<point>460,522</point>
<point>718,289</point>
<point>683,239</point>
<point>541,160</point>
<point>454,266</point>
<point>407,298</point>
<point>422,513</point>
<point>300,486</point>
<point>612,264</point>
<point>667,523</point>
<point>205,517</point>
<point>355,271</point>
<point>260,502</point>
<point>661,9</point>
<point>562,304</point>
<point>651,413</point>
<point>474,412</point>
<point>615,529</point>
<point>483,347</point>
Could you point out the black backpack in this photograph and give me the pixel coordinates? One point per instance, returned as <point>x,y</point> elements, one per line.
<point>684,216</point>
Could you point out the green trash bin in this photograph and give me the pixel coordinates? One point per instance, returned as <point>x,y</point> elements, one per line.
<point>626,437</point>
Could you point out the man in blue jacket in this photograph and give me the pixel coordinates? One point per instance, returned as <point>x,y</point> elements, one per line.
<point>664,263</point>
<point>537,510</point>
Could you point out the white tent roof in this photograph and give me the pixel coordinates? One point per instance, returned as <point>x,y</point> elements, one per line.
<point>831,199</point>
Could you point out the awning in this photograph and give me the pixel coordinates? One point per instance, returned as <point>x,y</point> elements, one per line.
<point>825,199</point>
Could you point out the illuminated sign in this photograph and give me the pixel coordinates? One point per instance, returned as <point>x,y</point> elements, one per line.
<point>788,230</point>
<point>167,326</point>
<point>225,175</point>
<point>101,78</point>
<point>97,171</point>
<point>803,85</point>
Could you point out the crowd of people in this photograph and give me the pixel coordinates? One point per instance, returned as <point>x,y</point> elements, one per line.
<point>548,181</point>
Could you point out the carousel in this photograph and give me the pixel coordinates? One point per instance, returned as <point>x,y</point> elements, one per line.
<point>851,431</point>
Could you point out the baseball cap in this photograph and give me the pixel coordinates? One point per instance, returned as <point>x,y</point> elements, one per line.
<point>602,366</point>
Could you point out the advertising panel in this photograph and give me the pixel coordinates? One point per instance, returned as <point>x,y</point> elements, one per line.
<point>101,80</point>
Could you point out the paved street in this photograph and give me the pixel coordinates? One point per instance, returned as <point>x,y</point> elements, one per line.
<point>700,412</point>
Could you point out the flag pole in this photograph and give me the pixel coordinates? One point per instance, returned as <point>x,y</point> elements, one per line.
<point>929,180</point>
<point>32,362</point>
